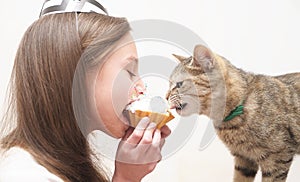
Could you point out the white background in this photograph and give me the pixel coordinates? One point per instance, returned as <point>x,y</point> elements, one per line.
<point>257,36</point>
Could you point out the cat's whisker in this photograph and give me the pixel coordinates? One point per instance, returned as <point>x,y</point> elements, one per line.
<point>172,97</point>
<point>180,95</point>
<point>175,99</point>
<point>177,103</point>
<point>172,100</point>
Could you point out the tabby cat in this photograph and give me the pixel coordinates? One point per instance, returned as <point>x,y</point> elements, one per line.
<point>256,116</point>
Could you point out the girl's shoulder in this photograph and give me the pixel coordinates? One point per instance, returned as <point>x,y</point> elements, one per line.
<point>16,164</point>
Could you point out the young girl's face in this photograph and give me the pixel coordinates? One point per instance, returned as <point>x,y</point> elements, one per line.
<point>117,84</point>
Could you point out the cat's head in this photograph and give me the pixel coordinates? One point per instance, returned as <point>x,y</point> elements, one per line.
<point>190,82</point>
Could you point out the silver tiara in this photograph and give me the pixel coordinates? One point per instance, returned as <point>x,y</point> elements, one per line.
<point>62,6</point>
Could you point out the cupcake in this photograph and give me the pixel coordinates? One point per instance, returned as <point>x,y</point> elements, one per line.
<point>156,108</point>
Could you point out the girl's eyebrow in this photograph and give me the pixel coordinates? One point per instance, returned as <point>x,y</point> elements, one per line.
<point>133,58</point>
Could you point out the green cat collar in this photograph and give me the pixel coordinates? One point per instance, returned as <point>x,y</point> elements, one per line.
<point>236,112</point>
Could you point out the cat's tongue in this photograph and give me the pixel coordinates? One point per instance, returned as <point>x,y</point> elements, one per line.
<point>152,104</point>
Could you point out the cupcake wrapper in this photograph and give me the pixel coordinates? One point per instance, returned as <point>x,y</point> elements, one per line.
<point>159,118</point>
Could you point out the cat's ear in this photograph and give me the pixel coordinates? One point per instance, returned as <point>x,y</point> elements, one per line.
<point>180,58</point>
<point>203,58</point>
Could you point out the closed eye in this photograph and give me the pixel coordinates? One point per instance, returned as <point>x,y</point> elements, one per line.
<point>131,74</point>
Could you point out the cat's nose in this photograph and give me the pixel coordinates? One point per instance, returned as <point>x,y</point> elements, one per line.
<point>168,95</point>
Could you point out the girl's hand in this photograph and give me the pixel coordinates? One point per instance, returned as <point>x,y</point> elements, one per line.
<point>139,151</point>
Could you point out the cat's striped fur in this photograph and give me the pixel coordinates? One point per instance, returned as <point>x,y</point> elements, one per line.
<point>266,135</point>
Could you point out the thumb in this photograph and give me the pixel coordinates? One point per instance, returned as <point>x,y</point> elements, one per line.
<point>128,132</point>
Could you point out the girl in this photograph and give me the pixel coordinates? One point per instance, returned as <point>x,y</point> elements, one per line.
<point>75,73</point>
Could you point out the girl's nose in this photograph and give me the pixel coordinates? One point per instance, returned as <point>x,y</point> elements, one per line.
<point>140,88</point>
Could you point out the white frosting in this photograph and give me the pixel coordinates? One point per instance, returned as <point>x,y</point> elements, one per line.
<point>153,104</point>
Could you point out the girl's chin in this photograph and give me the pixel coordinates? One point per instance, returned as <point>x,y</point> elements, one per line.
<point>116,128</point>
<point>122,128</point>
<point>116,134</point>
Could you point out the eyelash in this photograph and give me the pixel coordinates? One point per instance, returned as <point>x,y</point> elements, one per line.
<point>131,74</point>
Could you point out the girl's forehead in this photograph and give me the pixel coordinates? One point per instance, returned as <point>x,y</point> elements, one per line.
<point>132,59</point>
<point>126,55</point>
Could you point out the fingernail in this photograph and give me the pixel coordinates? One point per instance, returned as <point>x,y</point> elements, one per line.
<point>145,120</point>
<point>152,125</point>
<point>143,123</point>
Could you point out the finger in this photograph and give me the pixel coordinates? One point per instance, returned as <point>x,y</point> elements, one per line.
<point>165,131</point>
<point>153,150</point>
<point>148,134</point>
<point>156,138</point>
<point>162,143</point>
<point>138,132</point>
<point>128,132</point>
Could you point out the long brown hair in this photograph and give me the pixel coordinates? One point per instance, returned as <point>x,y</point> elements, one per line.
<point>41,90</point>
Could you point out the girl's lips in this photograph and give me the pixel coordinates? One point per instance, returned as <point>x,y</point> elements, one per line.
<point>125,111</point>
<point>125,117</point>
<point>131,101</point>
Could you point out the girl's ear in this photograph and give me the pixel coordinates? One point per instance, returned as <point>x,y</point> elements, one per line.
<point>203,58</point>
<point>180,58</point>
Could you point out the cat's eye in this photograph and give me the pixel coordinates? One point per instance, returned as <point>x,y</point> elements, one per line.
<point>179,84</point>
